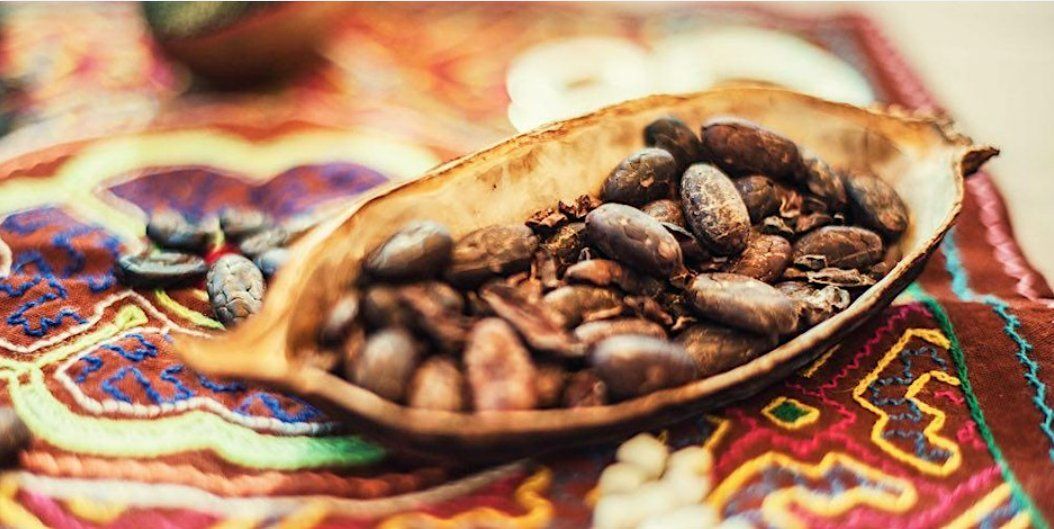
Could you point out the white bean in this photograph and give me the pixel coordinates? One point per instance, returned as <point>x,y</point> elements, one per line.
<point>646,452</point>
<point>620,477</point>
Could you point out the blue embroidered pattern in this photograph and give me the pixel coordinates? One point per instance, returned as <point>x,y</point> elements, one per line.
<point>136,361</point>
<point>961,287</point>
<point>32,268</point>
<point>913,414</point>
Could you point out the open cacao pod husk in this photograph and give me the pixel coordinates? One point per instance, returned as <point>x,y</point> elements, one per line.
<point>918,156</point>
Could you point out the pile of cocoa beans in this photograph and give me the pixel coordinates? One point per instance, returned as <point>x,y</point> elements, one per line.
<point>699,254</point>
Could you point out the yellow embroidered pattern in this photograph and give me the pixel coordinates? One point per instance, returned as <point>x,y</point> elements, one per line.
<point>93,511</point>
<point>306,517</point>
<point>808,415</point>
<point>894,495</point>
<point>528,494</point>
<point>932,430</point>
<point>983,507</point>
<point>723,425</point>
<point>186,313</point>
<point>12,514</point>
<point>811,370</point>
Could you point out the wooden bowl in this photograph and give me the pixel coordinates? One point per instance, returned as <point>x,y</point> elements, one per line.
<point>923,160</point>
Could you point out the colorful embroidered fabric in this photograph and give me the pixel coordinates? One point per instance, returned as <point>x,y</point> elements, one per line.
<point>937,414</point>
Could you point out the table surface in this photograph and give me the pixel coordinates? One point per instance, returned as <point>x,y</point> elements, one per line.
<point>991,65</point>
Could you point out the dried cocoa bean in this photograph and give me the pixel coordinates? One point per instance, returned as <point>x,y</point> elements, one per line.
<point>759,195</point>
<point>714,210</point>
<point>674,136</point>
<point>839,277</point>
<point>822,181</point>
<point>665,210</point>
<point>691,250</point>
<point>596,331</point>
<point>437,385</point>
<point>876,205</point>
<point>499,369</point>
<point>153,269</point>
<point>420,250</point>
<point>743,148</point>
<point>578,303</point>
<point>776,226</point>
<point>262,241</point>
<point>606,273</point>
<point>170,229</point>
<point>566,244</point>
<point>387,362</point>
<point>271,261</point>
<point>743,302</point>
<point>646,175</point>
<point>578,208</point>
<point>815,305</point>
<point>636,365</point>
<point>717,348</point>
<point>764,259</point>
<point>841,246</point>
<point>632,237</point>
<point>585,389</point>
<point>235,287</point>
<point>549,383</point>
<point>889,260</point>
<point>538,324</point>
<point>490,252</point>
<point>239,223</point>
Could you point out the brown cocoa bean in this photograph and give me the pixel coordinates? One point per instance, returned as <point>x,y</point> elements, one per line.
<point>387,362</point>
<point>665,210</point>
<point>340,319</point>
<point>566,244</point>
<point>419,250</point>
<point>822,181</point>
<point>841,246</point>
<point>764,259</point>
<point>717,348</point>
<point>578,303</point>
<point>537,324</point>
<point>632,237</point>
<point>437,385</point>
<point>741,148</point>
<point>743,302</point>
<point>499,369</point>
<point>606,273</point>
<point>674,136</point>
<point>815,305</point>
<point>714,210</point>
<point>759,195</point>
<point>876,205</point>
<point>597,331</point>
<point>637,365</point>
<point>490,252</point>
<point>549,383</point>
<point>646,175</point>
<point>585,389</point>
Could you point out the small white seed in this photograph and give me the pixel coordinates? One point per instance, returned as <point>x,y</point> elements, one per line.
<point>687,488</point>
<point>620,477</point>
<point>626,510</point>
<point>693,459</point>
<point>690,517</point>
<point>646,452</point>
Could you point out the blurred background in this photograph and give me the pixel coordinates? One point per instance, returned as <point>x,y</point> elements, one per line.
<point>451,78</point>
